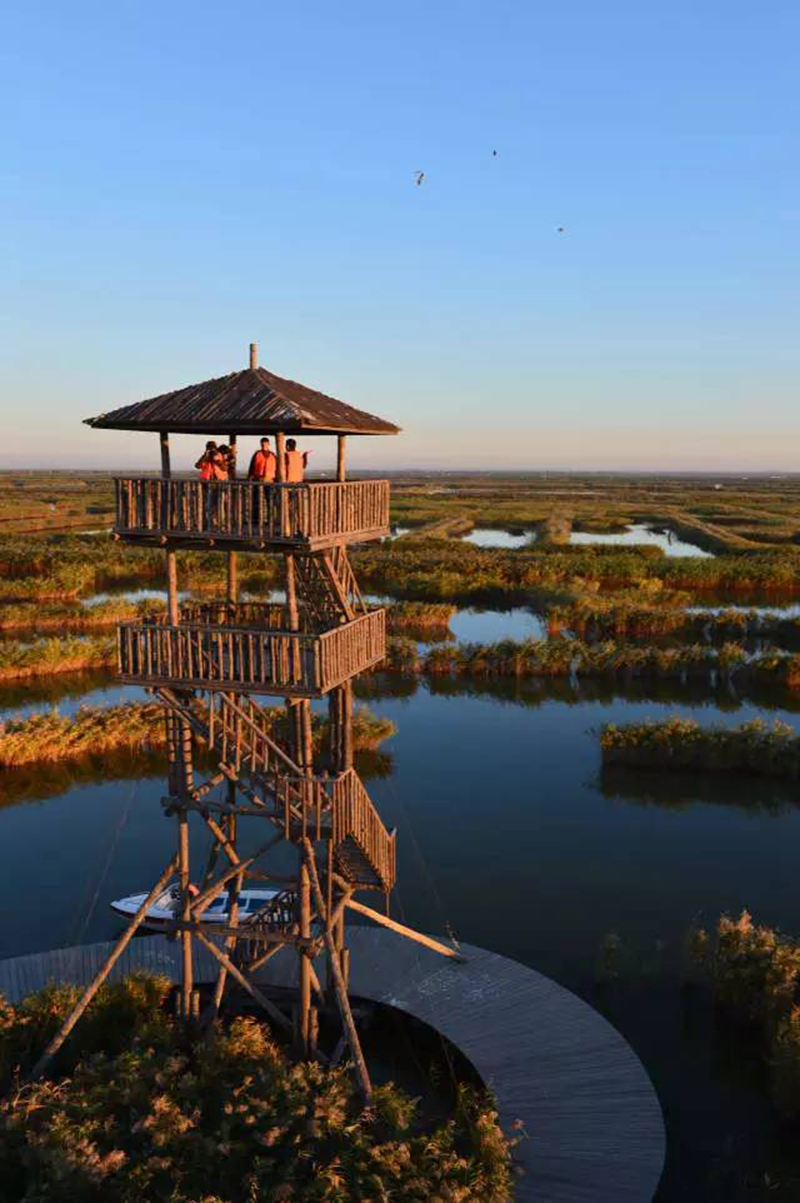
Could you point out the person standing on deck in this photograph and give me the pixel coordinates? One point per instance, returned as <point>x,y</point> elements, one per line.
<point>296,463</point>
<point>207,463</point>
<point>263,465</point>
<point>222,467</point>
<point>226,467</point>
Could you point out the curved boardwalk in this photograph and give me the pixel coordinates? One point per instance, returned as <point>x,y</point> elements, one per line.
<point>595,1129</point>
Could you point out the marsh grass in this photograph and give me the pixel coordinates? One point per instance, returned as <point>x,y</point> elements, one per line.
<point>137,1108</point>
<point>772,750</point>
<point>95,731</point>
<point>419,616</point>
<point>55,655</point>
<point>75,616</point>
<point>755,973</point>
<point>92,731</point>
<point>575,659</point>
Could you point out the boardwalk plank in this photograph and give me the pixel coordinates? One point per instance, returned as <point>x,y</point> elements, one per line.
<point>594,1122</point>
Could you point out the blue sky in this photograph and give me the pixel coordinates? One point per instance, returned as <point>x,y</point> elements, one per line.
<point>178,179</point>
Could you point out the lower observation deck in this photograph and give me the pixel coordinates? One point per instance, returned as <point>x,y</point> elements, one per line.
<point>248,647</point>
<point>195,513</point>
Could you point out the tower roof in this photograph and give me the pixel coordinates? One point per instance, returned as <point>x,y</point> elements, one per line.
<point>254,401</point>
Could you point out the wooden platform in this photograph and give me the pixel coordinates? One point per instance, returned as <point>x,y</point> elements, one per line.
<point>596,1133</point>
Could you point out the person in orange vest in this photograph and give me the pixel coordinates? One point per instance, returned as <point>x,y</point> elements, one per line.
<point>263,464</point>
<point>226,467</point>
<point>208,461</point>
<point>296,462</point>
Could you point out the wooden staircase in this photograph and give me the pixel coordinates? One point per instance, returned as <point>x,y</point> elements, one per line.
<point>338,808</point>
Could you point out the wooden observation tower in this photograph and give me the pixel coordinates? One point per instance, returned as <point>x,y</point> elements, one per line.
<point>209,664</point>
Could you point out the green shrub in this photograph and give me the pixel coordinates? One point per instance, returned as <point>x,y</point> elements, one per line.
<point>146,1112</point>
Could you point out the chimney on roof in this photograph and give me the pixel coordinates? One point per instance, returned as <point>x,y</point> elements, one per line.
<point>254,355</point>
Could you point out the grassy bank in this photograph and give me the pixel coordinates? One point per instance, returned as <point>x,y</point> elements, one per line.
<point>136,1109</point>
<point>74,616</point>
<point>755,973</point>
<point>47,656</point>
<point>754,747</point>
<point>419,616</point>
<point>447,570</point>
<point>575,659</point>
<point>96,731</point>
<point>635,617</point>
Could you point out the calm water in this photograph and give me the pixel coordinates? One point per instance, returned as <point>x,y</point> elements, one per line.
<point>490,626</point>
<point>639,533</point>
<point>510,834</point>
<point>488,537</point>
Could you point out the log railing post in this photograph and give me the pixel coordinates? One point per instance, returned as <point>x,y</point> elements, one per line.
<point>117,951</point>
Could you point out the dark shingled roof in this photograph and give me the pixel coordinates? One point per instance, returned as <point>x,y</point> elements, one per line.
<point>254,401</point>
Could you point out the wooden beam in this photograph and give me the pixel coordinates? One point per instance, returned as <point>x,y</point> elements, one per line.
<point>234,888</point>
<point>233,577</point>
<point>241,931</point>
<point>117,951</point>
<point>172,587</point>
<point>340,456</point>
<point>232,969</point>
<point>222,839</point>
<point>402,930</point>
<point>199,903</point>
<point>305,960</point>
<point>187,982</point>
<point>166,470</point>
<point>338,980</point>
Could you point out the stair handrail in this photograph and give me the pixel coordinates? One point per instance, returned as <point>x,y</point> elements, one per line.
<point>354,816</point>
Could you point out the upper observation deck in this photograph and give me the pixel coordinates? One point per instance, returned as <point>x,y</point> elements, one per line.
<point>255,403</point>
<point>247,515</point>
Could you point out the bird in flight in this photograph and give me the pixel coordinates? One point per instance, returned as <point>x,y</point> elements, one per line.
<point>494,154</point>
<point>419,176</point>
<point>561,229</point>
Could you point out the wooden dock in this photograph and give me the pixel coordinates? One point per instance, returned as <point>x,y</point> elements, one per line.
<point>593,1121</point>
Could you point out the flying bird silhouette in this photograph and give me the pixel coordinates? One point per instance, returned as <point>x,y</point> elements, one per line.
<point>419,176</point>
<point>561,229</point>
<point>494,154</point>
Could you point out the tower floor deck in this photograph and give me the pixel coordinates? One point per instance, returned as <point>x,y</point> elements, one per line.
<point>247,515</point>
<point>586,1103</point>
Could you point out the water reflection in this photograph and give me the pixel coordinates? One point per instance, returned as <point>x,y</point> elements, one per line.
<point>510,832</point>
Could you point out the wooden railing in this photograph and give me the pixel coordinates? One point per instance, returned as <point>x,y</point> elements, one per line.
<point>265,616</point>
<point>307,513</point>
<point>355,818</point>
<point>201,656</point>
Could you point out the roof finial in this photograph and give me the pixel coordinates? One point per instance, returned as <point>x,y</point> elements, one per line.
<point>254,355</point>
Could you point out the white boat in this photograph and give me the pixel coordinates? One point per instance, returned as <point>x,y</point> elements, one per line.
<point>167,906</point>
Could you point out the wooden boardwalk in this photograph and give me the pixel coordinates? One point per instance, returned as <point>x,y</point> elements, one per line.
<point>595,1129</point>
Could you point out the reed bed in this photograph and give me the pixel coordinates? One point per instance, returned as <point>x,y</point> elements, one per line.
<point>75,616</point>
<point>93,731</point>
<point>455,571</point>
<point>96,731</point>
<point>137,1108</point>
<point>770,750</point>
<point>54,655</point>
<point>419,616</point>
<point>755,975</point>
<point>594,617</point>
<point>575,659</point>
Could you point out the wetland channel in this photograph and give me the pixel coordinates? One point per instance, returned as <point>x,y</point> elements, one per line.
<point>511,835</point>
